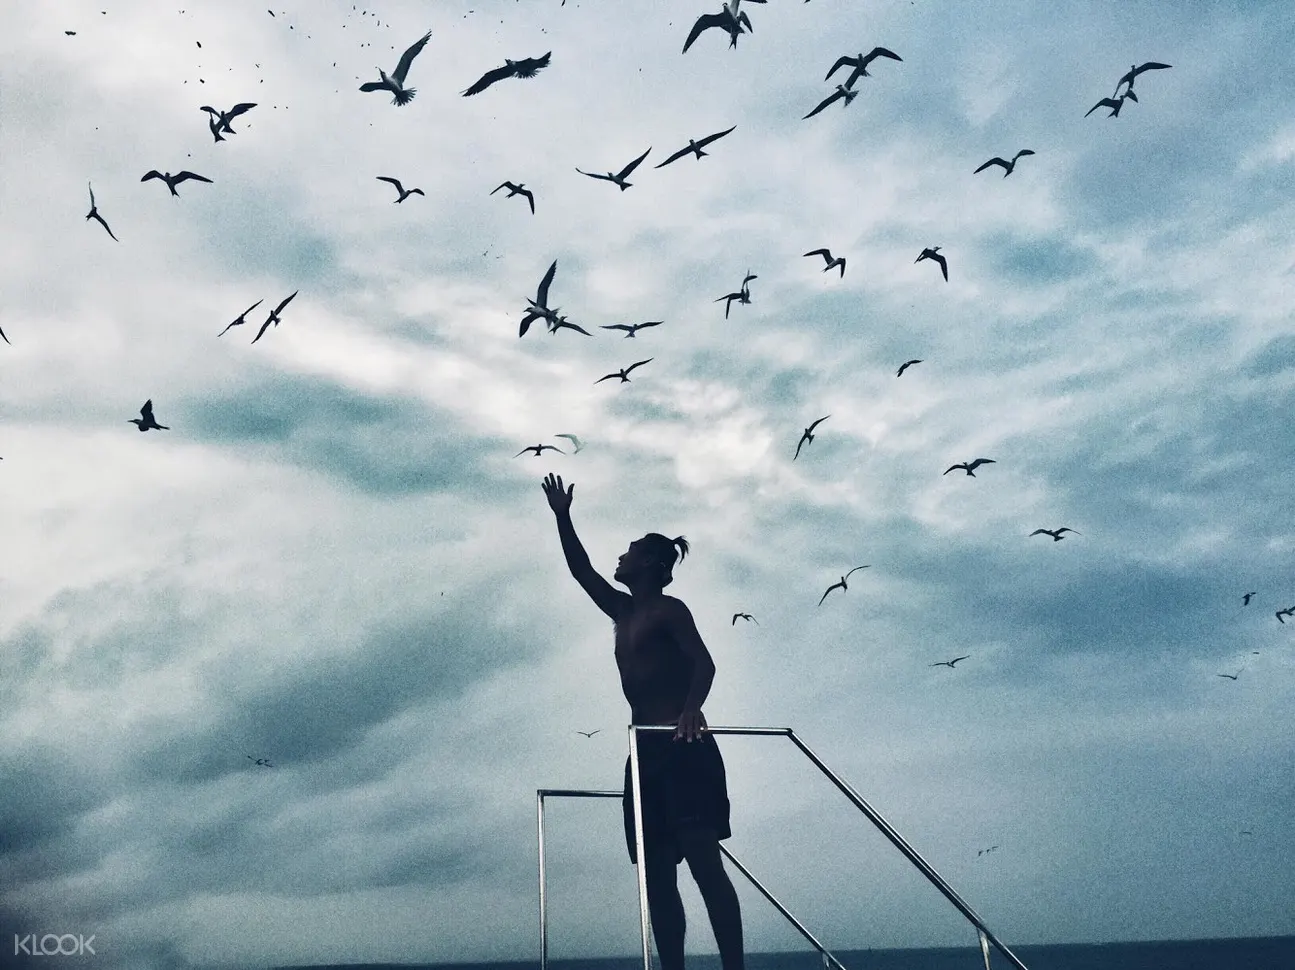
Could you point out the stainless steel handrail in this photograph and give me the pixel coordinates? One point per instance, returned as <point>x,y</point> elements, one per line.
<point>829,961</point>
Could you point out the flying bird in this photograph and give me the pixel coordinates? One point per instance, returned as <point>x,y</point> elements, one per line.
<point>808,436</point>
<point>539,307</point>
<point>1135,71</point>
<point>860,64</point>
<point>94,213</point>
<point>261,762</point>
<point>1055,533</point>
<point>1289,611</point>
<point>517,190</point>
<point>274,316</point>
<point>526,67</point>
<point>632,328</point>
<point>948,663</point>
<point>395,82</point>
<point>1115,104</point>
<point>219,120</point>
<point>619,177</point>
<point>574,440</point>
<point>559,322</point>
<point>841,92</point>
<point>839,584</point>
<point>933,252</point>
<point>970,468</point>
<point>1007,166</point>
<point>745,616</point>
<point>730,19</point>
<point>983,851</point>
<point>906,365</point>
<point>624,374</point>
<point>589,734</point>
<point>1231,676</point>
<point>173,180</point>
<point>1245,599</point>
<point>743,295</point>
<point>145,421</point>
<point>537,449</point>
<point>239,321</point>
<point>696,146</point>
<point>404,193</point>
<point>827,258</point>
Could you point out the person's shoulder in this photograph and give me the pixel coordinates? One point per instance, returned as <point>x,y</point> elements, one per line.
<point>674,605</point>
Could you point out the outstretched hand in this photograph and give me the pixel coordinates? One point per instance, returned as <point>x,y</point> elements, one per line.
<point>559,500</point>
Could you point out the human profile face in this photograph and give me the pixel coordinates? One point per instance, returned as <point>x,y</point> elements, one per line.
<point>634,563</point>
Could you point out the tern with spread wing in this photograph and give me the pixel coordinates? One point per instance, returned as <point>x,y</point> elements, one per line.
<point>1007,166</point>
<point>906,365</point>
<point>537,449</point>
<point>1134,71</point>
<point>695,146</point>
<point>730,19</point>
<point>1055,533</point>
<point>526,67</point>
<point>539,307</point>
<point>618,178</point>
<point>827,258</point>
<point>860,64</point>
<point>624,374</point>
<point>948,663</point>
<point>274,316</point>
<point>970,467</point>
<point>842,91</point>
<point>839,584</point>
<point>808,435</point>
<point>519,189</point>
<point>94,213</point>
<point>933,252</point>
<point>173,180</point>
<point>395,82</point>
<point>146,421</point>
<point>241,318</point>
<point>404,193</point>
<point>632,328</point>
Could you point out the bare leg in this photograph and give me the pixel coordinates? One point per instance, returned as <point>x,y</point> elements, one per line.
<point>666,909</point>
<point>701,849</point>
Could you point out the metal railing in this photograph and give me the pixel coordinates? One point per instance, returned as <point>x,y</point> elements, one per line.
<point>984,935</point>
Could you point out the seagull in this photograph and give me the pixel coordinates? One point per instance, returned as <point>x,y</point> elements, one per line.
<point>219,120</point>
<point>1245,599</point>
<point>274,316</point>
<point>842,91</point>
<point>840,583</point>
<point>239,321</point>
<point>526,67</point>
<point>742,296</point>
<point>970,467</point>
<point>745,616</point>
<point>906,365</point>
<point>624,374</point>
<point>574,440</point>
<point>983,851</point>
<point>860,64</point>
<point>1007,166</point>
<point>589,734</point>
<point>695,146</point>
<point>1231,676</point>
<point>808,436</point>
<point>728,18</point>
<point>94,212</point>
<point>261,762</point>
<point>173,180</point>
<point>539,307</point>
<point>619,177</point>
<point>1289,611</point>
<point>1115,104</point>
<point>395,83</point>
<point>933,252</point>
<point>404,193</point>
<point>1055,533</point>
<point>560,322</point>
<point>632,328</point>
<point>1134,72</point>
<point>948,663</point>
<point>827,258</point>
<point>517,190</point>
<point>537,449</point>
<point>145,421</point>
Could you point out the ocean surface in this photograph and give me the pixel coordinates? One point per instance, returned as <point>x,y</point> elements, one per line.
<point>1263,953</point>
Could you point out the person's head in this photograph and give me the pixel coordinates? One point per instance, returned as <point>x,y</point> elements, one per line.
<point>650,561</point>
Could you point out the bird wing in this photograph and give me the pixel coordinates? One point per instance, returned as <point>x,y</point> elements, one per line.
<point>285,302</point>
<point>530,197</point>
<point>395,182</point>
<point>1105,102</point>
<point>1023,151</point>
<point>99,219</point>
<point>993,161</point>
<point>552,447</point>
<point>526,323</point>
<point>260,333</point>
<point>574,440</point>
<point>375,86</point>
<point>542,294</point>
<point>408,56</point>
<point>852,571</point>
<point>844,61</point>
<point>571,326</point>
<point>962,465</point>
<point>593,176</point>
<point>824,103</point>
<point>639,364</point>
<point>154,174</point>
<point>944,265</point>
<point>904,366</point>
<point>703,142</point>
<point>650,323</point>
<point>677,155</point>
<point>487,79</point>
<point>705,21</point>
<point>820,252</point>
<point>1039,532</point>
<point>828,590</point>
<point>803,438</point>
<point>981,461</point>
<point>743,21</point>
<point>505,185</point>
<point>607,378</point>
<point>530,66</point>
<point>238,109</point>
<point>186,176</point>
<point>146,412</point>
<point>956,659</point>
<point>817,423</point>
<point>624,173</point>
<point>524,450</point>
<point>1148,66</point>
<point>879,52</point>
<point>617,326</point>
<point>212,111</point>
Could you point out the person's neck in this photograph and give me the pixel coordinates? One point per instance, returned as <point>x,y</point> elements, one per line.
<point>646,595</point>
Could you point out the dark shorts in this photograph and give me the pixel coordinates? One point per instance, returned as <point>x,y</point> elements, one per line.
<point>683,784</point>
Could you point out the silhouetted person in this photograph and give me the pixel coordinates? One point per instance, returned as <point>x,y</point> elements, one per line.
<point>666,673</point>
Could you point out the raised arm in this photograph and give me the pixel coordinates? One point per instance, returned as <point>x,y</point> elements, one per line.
<point>608,599</point>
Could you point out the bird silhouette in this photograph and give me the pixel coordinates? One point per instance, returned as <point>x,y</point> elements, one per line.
<point>970,468</point>
<point>624,374</point>
<point>744,616</point>
<point>404,193</point>
<point>146,421</point>
<point>948,663</point>
<point>517,190</point>
<point>239,321</point>
<point>574,440</point>
<point>618,178</point>
<point>695,146</point>
<point>1115,104</point>
<point>906,365</point>
<point>827,258</point>
<point>395,82</point>
<point>1135,71</point>
<point>839,584</point>
<point>632,328</point>
<point>1007,166</point>
<point>983,851</point>
<point>526,67</point>
<point>557,323</point>
<point>261,762</point>
<point>1055,533</point>
<point>808,435</point>
<point>1245,599</point>
<point>1289,611</point>
<point>1231,676</point>
<point>537,449</point>
<point>273,318</point>
<point>539,307</point>
<point>173,180</point>
<point>933,252</point>
<point>729,19</point>
<point>589,734</point>
<point>860,64</point>
<point>94,213</point>
<point>842,91</point>
<point>219,120</point>
<point>743,295</point>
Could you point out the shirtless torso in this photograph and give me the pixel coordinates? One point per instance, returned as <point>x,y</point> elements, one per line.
<point>655,673</point>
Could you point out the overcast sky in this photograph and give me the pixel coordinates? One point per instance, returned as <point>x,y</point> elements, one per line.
<point>332,559</point>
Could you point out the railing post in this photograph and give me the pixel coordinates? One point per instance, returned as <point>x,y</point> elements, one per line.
<point>641,865</point>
